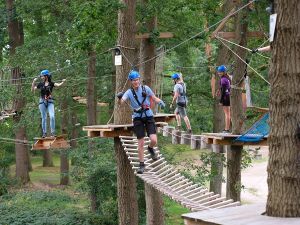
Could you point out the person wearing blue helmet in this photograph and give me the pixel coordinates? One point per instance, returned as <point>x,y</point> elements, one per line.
<point>140,97</point>
<point>181,102</point>
<point>224,92</point>
<point>46,102</point>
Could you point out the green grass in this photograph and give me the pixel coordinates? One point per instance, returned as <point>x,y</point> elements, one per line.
<point>173,212</point>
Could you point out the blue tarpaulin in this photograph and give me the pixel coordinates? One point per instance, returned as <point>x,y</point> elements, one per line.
<point>257,132</point>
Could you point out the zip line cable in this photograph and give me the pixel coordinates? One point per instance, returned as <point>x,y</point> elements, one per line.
<point>57,70</point>
<point>198,34</point>
<point>243,47</point>
<point>243,61</point>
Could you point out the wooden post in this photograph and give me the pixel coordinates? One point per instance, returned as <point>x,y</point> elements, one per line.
<point>176,137</point>
<point>185,139</point>
<point>195,141</point>
<point>167,131</point>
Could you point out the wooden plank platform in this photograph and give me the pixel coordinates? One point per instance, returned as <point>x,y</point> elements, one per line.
<point>116,130</point>
<point>229,139</point>
<point>46,143</point>
<point>242,215</point>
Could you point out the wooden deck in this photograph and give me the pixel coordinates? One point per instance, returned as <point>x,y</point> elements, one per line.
<point>116,130</point>
<point>46,143</point>
<point>229,139</point>
<point>241,215</point>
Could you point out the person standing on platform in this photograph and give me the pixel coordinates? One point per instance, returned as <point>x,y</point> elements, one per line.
<point>46,102</point>
<point>224,91</point>
<point>140,97</point>
<point>181,102</point>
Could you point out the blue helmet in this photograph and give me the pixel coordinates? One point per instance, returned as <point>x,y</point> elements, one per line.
<point>45,73</point>
<point>222,68</point>
<point>175,76</point>
<point>133,75</point>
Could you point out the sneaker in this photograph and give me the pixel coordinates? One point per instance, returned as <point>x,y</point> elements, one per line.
<point>44,135</point>
<point>226,132</point>
<point>53,135</point>
<point>152,153</point>
<point>141,169</point>
<point>189,131</point>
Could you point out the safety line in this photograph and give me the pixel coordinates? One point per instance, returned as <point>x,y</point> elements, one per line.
<point>243,47</point>
<point>243,60</point>
<point>198,34</point>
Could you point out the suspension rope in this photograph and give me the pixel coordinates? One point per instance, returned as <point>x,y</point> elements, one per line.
<point>243,47</point>
<point>198,34</point>
<point>243,61</point>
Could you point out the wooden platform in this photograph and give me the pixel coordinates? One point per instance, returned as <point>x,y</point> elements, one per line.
<point>114,130</point>
<point>229,139</point>
<point>83,100</point>
<point>242,215</point>
<point>46,143</point>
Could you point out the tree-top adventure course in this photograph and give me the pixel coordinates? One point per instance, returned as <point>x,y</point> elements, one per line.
<point>150,112</point>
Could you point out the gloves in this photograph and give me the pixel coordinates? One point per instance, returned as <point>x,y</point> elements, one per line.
<point>120,95</point>
<point>162,104</point>
<point>255,50</point>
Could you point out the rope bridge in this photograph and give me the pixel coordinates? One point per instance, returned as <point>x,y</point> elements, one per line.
<point>166,179</point>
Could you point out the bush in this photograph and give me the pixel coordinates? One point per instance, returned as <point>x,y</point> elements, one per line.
<point>44,208</point>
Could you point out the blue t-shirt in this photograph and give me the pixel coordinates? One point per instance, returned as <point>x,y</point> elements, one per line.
<point>134,104</point>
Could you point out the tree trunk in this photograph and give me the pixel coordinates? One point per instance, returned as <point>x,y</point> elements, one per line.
<point>284,139</point>
<point>154,200</point>
<point>47,159</point>
<point>64,162</point>
<point>16,38</point>
<point>92,111</point>
<point>233,187</point>
<point>74,132</point>
<point>154,207</point>
<point>127,196</point>
<point>218,115</point>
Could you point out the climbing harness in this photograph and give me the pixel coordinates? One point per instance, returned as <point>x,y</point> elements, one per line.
<point>142,107</point>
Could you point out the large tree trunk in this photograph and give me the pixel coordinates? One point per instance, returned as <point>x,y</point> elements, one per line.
<point>154,200</point>
<point>284,139</point>
<point>233,188</point>
<point>64,162</point>
<point>127,196</point>
<point>16,38</point>
<point>218,116</point>
<point>92,111</point>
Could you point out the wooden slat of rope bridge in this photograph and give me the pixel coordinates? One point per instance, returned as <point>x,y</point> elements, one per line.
<point>113,130</point>
<point>166,179</point>
<point>229,139</point>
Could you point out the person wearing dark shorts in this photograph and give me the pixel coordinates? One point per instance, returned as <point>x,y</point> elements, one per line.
<point>225,83</point>
<point>181,102</point>
<point>139,97</point>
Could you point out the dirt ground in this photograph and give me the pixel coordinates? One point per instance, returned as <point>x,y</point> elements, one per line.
<point>254,180</point>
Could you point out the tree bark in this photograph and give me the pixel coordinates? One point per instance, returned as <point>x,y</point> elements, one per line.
<point>16,38</point>
<point>218,115</point>
<point>64,161</point>
<point>74,132</point>
<point>233,188</point>
<point>284,138</point>
<point>127,196</point>
<point>92,111</point>
<point>154,200</point>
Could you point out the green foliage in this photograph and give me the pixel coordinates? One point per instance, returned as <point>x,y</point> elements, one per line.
<point>41,208</point>
<point>95,172</point>
<point>5,162</point>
